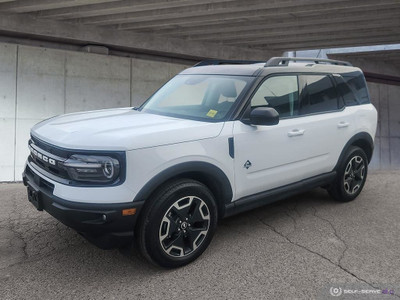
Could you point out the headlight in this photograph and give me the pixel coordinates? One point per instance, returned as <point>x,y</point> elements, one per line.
<point>92,168</point>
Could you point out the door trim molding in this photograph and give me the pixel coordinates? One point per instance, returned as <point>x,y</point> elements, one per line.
<point>273,195</point>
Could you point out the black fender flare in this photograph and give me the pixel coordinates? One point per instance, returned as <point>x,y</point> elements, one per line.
<point>208,173</point>
<point>360,139</point>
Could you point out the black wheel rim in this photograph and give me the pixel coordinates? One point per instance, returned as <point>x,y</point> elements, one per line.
<point>184,226</point>
<point>354,175</point>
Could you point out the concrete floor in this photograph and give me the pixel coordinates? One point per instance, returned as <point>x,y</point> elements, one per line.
<point>297,248</point>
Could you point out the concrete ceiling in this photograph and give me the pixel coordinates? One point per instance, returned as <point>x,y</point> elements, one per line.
<point>207,28</point>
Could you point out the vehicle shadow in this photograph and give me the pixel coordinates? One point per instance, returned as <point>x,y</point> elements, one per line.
<point>282,214</point>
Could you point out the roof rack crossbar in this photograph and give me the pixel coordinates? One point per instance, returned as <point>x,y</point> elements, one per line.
<point>227,62</point>
<point>284,61</point>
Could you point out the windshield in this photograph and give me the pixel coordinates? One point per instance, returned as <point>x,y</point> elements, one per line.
<point>199,97</point>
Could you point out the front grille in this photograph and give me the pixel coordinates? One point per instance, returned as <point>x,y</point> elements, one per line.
<point>46,157</point>
<point>54,157</point>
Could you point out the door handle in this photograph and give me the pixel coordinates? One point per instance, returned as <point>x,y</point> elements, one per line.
<point>343,124</point>
<point>296,132</point>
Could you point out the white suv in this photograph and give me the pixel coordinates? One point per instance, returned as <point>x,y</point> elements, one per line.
<point>218,139</point>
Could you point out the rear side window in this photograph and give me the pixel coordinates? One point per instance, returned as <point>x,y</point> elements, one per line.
<point>319,94</point>
<point>353,88</point>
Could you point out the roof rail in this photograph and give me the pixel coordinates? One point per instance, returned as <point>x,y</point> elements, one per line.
<point>284,61</point>
<point>227,62</point>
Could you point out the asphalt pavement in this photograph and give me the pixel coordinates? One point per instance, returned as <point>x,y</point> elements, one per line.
<point>305,247</point>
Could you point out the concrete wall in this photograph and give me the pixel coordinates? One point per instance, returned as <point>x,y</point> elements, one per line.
<point>386,99</point>
<point>37,83</point>
<point>8,58</point>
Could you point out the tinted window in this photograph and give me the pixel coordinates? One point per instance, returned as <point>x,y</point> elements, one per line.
<point>348,95</point>
<point>280,93</point>
<point>353,88</point>
<point>319,94</point>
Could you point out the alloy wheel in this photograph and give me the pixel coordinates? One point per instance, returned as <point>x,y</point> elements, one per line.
<point>184,226</point>
<point>354,175</point>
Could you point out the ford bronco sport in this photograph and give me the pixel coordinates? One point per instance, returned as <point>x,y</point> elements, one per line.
<point>220,138</point>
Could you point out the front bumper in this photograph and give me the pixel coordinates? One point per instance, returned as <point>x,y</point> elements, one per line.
<point>102,224</point>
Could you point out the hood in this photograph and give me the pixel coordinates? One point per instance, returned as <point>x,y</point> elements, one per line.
<point>120,129</point>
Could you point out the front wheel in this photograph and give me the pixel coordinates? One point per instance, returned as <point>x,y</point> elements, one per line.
<point>178,223</point>
<point>351,175</point>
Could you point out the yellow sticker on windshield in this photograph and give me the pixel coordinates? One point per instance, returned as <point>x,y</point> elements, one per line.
<point>211,113</point>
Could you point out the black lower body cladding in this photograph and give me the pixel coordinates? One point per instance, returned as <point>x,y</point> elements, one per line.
<point>102,224</point>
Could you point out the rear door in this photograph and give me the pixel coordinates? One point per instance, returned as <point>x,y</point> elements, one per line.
<point>326,121</point>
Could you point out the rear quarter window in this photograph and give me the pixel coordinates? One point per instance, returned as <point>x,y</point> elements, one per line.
<point>353,88</point>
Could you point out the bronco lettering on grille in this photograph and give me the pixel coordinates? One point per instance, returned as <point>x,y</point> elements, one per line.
<point>42,157</point>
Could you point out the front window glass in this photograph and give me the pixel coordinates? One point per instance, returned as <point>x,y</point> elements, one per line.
<point>280,93</point>
<point>203,97</point>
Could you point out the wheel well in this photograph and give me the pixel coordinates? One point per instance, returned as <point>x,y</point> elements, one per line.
<point>366,146</point>
<point>210,175</point>
<point>364,141</point>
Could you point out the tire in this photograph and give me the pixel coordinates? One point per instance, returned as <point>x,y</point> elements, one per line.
<point>351,175</point>
<point>177,224</point>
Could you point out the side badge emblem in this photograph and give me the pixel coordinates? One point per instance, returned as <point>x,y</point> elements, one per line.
<point>247,164</point>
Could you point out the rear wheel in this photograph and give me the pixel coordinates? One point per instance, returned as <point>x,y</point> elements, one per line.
<point>351,175</point>
<point>177,224</point>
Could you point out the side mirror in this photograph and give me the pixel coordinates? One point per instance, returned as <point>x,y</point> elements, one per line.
<point>264,116</point>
